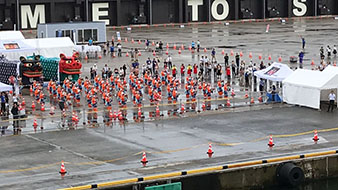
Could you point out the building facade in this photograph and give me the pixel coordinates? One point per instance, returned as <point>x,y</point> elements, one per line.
<point>26,14</point>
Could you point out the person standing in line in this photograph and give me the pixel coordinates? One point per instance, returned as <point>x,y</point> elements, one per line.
<point>198,45</point>
<point>332,98</point>
<point>15,112</point>
<point>226,60</point>
<point>237,57</point>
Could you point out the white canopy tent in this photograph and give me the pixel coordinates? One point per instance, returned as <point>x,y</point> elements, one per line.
<point>5,87</point>
<point>47,47</point>
<point>308,88</point>
<point>275,72</point>
<point>11,35</point>
<point>13,49</point>
<point>52,47</point>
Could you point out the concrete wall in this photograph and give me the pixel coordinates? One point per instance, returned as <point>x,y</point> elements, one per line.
<point>248,177</point>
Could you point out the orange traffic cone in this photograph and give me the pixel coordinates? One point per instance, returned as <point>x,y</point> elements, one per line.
<point>42,107</point>
<point>31,89</point>
<point>154,53</point>
<point>182,108</point>
<point>252,100</point>
<point>205,50</point>
<point>139,42</point>
<point>35,124</point>
<point>250,55</point>
<point>114,115</point>
<point>132,40</point>
<point>157,111</point>
<point>167,46</point>
<point>241,54</point>
<point>120,116</point>
<point>174,47</point>
<point>167,52</point>
<point>222,51</point>
<point>86,57</point>
<point>260,99</point>
<point>127,54</point>
<point>232,53</point>
<point>246,96</point>
<point>312,62</point>
<point>51,111</point>
<point>110,114</point>
<point>100,56</point>
<point>139,113</point>
<point>33,105</point>
<point>228,103</point>
<point>233,92</point>
<point>182,47</point>
<point>270,58</point>
<point>179,51</point>
<point>203,106</point>
<point>74,117</point>
<point>280,59</point>
<point>113,56</point>
<point>260,57</point>
<point>210,152</point>
<point>271,144</point>
<point>315,137</point>
<point>23,103</point>
<point>139,54</point>
<point>126,40</point>
<point>62,169</point>
<point>144,160</point>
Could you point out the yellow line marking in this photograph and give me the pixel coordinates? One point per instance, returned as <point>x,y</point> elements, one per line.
<point>30,169</point>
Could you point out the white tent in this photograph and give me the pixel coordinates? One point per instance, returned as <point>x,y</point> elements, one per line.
<point>13,49</point>
<point>5,87</point>
<point>11,35</point>
<point>47,47</point>
<point>275,72</point>
<point>308,88</point>
<point>52,47</point>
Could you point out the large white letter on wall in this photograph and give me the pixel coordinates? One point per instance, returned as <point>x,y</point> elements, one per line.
<point>26,14</point>
<point>96,13</point>
<point>299,5</point>
<point>194,8</point>
<point>214,12</point>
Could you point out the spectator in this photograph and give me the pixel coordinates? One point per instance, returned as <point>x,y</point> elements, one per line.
<point>15,112</point>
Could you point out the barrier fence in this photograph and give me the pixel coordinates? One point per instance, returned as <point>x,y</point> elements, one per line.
<point>82,116</point>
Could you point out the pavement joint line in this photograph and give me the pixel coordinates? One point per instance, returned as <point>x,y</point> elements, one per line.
<point>214,168</point>
<point>156,152</point>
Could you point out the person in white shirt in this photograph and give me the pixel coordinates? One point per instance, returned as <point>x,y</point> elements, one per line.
<point>169,61</point>
<point>332,98</point>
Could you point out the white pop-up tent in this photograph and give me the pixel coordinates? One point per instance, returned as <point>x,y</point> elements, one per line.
<point>47,47</point>
<point>308,88</point>
<point>5,87</point>
<point>52,47</point>
<point>11,35</point>
<point>275,72</point>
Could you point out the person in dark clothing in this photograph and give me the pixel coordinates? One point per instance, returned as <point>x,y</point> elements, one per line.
<point>3,103</point>
<point>124,67</point>
<point>15,112</point>
<point>237,63</point>
<point>226,60</point>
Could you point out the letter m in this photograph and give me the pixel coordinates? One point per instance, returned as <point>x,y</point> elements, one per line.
<point>27,15</point>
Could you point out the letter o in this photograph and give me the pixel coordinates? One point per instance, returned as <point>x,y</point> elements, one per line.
<point>214,12</point>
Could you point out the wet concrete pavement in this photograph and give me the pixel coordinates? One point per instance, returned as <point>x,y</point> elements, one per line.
<point>99,154</point>
<point>94,155</point>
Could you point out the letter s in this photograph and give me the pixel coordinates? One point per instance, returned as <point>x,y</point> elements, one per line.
<point>299,5</point>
